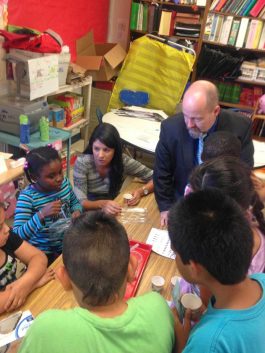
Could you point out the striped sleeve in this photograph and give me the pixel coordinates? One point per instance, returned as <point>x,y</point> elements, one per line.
<point>74,203</point>
<point>136,169</point>
<point>27,221</point>
<point>80,179</point>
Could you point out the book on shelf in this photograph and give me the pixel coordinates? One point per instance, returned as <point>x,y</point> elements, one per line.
<point>151,13</point>
<point>208,26</point>
<point>227,24</point>
<point>134,15</point>
<point>218,30</point>
<point>262,13</point>
<point>157,16</point>
<point>220,5</point>
<point>139,25</point>
<point>254,34</point>
<point>242,32</point>
<point>239,6</point>
<point>257,8</point>
<point>183,17</point>
<point>213,4</point>
<point>165,23</point>
<point>262,39</point>
<point>248,8</point>
<point>234,31</point>
<point>213,27</point>
<point>257,93</point>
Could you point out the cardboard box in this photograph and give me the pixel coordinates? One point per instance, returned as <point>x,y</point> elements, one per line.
<point>102,61</point>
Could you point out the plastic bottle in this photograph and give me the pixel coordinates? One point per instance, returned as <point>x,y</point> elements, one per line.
<point>44,129</point>
<point>24,128</point>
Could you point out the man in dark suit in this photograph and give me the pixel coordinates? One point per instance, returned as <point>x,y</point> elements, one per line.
<point>181,141</point>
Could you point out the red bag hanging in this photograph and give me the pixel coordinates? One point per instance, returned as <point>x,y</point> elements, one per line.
<point>46,42</point>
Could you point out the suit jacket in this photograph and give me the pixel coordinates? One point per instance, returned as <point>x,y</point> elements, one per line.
<point>175,155</point>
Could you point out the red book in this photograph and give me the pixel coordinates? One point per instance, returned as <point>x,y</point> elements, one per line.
<point>172,23</point>
<point>257,8</point>
<point>220,5</point>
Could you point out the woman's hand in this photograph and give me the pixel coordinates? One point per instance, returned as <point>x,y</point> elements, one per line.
<point>51,209</point>
<point>111,207</point>
<point>137,194</point>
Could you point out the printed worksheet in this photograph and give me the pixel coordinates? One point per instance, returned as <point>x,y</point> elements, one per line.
<point>160,242</point>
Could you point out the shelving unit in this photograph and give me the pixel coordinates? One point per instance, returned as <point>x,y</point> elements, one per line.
<point>169,6</point>
<point>86,87</point>
<point>217,36</point>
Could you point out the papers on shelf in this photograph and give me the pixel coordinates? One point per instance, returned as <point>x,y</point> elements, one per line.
<point>259,154</point>
<point>160,242</point>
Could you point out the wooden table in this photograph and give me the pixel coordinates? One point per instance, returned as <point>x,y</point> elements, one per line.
<point>52,294</point>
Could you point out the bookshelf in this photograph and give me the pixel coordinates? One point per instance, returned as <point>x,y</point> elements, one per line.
<point>181,22</point>
<point>235,31</point>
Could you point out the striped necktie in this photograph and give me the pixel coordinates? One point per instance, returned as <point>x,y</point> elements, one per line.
<point>200,148</point>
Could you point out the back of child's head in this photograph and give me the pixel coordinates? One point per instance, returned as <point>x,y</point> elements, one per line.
<point>96,256</point>
<point>209,228</point>
<point>37,159</point>
<point>221,143</point>
<point>233,177</point>
<point>229,174</point>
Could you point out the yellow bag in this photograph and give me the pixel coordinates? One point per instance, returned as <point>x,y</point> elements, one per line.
<point>155,68</point>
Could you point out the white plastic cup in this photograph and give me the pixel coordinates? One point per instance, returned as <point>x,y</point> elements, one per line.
<point>193,302</point>
<point>173,281</point>
<point>127,197</point>
<point>158,283</point>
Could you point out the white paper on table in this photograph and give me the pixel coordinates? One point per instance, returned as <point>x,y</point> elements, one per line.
<point>259,154</point>
<point>160,242</point>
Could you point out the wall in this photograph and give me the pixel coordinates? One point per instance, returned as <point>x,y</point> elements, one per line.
<point>70,18</point>
<point>119,19</point>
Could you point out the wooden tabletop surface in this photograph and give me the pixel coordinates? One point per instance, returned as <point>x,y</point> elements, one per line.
<point>52,294</point>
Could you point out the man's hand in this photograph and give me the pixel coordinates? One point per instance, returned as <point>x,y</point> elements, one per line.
<point>164,218</point>
<point>182,331</point>
<point>136,197</point>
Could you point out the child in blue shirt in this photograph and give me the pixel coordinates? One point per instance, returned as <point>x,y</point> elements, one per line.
<point>48,199</point>
<point>213,243</point>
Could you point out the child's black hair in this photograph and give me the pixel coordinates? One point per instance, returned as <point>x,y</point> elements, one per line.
<point>210,228</point>
<point>37,159</point>
<point>233,177</point>
<point>96,256</point>
<point>221,143</point>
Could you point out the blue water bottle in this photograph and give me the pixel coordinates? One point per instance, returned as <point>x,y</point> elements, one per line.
<point>24,128</point>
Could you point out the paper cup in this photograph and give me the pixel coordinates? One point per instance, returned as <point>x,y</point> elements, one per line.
<point>173,281</point>
<point>127,197</point>
<point>158,283</point>
<point>192,302</point>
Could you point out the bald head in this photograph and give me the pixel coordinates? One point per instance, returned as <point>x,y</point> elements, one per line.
<point>200,107</point>
<point>204,93</point>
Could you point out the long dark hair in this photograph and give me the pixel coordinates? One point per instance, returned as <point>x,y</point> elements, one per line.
<point>233,177</point>
<point>109,136</point>
<point>37,159</point>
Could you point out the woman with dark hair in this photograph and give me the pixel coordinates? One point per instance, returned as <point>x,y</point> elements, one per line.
<point>99,172</point>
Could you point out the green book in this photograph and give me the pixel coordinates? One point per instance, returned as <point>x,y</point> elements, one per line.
<point>249,8</point>
<point>233,33</point>
<point>221,89</point>
<point>235,94</point>
<point>228,92</point>
<point>134,15</point>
